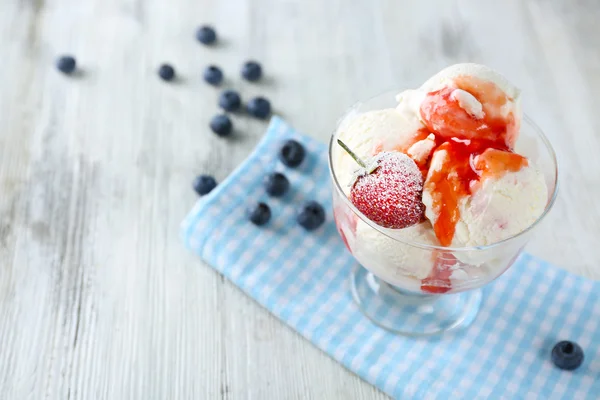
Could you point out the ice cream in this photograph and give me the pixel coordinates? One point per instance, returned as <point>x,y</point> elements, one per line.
<point>460,129</point>
<point>388,260</point>
<point>502,195</point>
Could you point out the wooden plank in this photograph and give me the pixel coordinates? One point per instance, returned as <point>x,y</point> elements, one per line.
<point>98,298</point>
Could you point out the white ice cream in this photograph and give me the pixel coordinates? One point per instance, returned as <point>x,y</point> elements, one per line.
<point>468,102</point>
<point>499,208</point>
<point>421,150</point>
<point>409,101</point>
<point>393,259</point>
<point>447,76</point>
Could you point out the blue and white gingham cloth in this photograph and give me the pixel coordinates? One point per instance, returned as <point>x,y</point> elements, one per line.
<point>302,278</point>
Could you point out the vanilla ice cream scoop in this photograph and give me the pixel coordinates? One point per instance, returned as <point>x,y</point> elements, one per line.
<point>502,196</point>
<point>395,259</point>
<point>449,75</point>
<point>467,101</point>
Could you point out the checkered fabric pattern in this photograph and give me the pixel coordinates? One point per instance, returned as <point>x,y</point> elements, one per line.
<point>302,278</point>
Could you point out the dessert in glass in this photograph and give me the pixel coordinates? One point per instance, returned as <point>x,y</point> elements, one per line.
<point>436,193</point>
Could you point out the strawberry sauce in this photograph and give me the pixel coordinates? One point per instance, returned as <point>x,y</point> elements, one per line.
<point>470,150</point>
<point>446,118</point>
<point>463,168</point>
<point>475,148</point>
<point>438,280</point>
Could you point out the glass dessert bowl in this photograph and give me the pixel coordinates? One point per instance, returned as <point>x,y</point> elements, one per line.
<point>405,280</point>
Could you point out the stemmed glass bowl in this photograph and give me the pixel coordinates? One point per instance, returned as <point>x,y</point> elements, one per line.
<point>382,283</point>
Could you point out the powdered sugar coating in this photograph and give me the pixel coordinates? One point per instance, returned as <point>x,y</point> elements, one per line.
<point>391,195</point>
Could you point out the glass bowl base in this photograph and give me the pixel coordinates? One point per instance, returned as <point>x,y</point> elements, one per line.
<point>411,314</point>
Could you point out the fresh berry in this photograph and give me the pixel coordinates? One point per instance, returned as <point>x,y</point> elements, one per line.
<point>230,100</point>
<point>259,107</point>
<point>292,153</point>
<point>221,125</point>
<point>166,72</point>
<point>311,215</point>
<point>213,75</point>
<point>276,184</point>
<point>251,71</point>
<point>206,35</point>
<point>66,64</point>
<point>203,184</point>
<point>259,214</point>
<point>389,190</point>
<point>567,355</point>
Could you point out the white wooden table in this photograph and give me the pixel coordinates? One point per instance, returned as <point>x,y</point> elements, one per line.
<point>98,297</point>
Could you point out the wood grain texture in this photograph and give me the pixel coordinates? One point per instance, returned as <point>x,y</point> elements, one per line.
<point>98,298</point>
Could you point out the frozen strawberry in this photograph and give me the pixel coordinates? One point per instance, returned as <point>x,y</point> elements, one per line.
<point>389,190</point>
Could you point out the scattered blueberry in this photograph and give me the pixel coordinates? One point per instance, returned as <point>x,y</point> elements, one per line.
<point>292,153</point>
<point>251,71</point>
<point>311,215</point>
<point>66,64</point>
<point>166,72</point>
<point>276,184</point>
<point>206,35</point>
<point>567,355</point>
<point>230,100</point>
<point>203,184</point>
<point>221,125</point>
<point>259,214</point>
<point>259,107</point>
<point>213,75</point>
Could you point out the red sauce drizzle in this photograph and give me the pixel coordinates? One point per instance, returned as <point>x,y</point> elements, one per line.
<point>476,149</point>
<point>466,141</point>
<point>438,280</point>
<point>444,117</point>
<point>457,178</point>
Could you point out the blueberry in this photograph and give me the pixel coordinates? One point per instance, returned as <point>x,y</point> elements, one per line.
<point>259,214</point>
<point>251,71</point>
<point>259,107</point>
<point>221,125</point>
<point>206,35</point>
<point>567,355</point>
<point>166,72</point>
<point>311,215</point>
<point>292,153</point>
<point>276,184</point>
<point>213,75</point>
<point>230,100</point>
<point>203,184</point>
<point>66,64</point>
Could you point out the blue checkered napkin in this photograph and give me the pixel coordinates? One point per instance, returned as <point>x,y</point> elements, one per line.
<point>302,277</point>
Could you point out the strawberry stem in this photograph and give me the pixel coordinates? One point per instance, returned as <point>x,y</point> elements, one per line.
<point>352,154</point>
